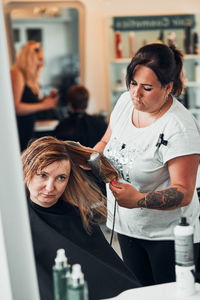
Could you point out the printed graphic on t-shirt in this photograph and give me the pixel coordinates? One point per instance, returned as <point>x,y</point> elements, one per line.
<point>122,157</point>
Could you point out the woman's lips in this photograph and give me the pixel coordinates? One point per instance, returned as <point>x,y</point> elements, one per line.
<point>48,195</point>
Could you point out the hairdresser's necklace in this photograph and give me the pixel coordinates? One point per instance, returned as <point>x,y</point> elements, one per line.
<point>156,116</point>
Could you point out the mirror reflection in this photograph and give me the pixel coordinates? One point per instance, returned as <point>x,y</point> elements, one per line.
<point>41,24</point>
<point>57,28</point>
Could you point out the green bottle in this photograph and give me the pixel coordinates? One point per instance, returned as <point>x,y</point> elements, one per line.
<point>60,275</point>
<point>77,287</point>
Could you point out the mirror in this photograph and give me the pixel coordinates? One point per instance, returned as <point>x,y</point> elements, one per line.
<point>59,26</point>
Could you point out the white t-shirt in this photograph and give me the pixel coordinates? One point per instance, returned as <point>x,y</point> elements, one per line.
<point>141,163</point>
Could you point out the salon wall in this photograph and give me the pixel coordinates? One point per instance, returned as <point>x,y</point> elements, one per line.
<point>96,72</point>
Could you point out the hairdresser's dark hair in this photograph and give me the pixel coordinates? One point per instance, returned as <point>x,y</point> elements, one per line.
<point>166,62</point>
<point>78,96</point>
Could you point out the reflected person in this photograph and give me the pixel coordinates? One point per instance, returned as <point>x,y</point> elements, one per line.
<point>26,90</point>
<point>79,125</point>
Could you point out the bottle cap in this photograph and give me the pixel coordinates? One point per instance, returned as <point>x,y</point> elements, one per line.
<point>61,259</point>
<point>183,221</point>
<point>76,276</point>
<point>76,272</point>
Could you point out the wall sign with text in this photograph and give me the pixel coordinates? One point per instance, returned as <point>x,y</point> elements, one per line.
<point>153,22</point>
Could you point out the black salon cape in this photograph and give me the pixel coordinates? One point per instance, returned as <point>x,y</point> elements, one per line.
<point>81,127</point>
<point>60,226</point>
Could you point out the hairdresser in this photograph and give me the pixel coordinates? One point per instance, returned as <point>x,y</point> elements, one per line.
<point>154,142</point>
<point>63,205</point>
<point>26,90</point>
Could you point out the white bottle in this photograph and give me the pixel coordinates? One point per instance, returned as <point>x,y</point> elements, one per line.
<point>184,258</point>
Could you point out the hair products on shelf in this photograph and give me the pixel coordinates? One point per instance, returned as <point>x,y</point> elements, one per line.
<point>123,76</point>
<point>161,37</point>
<point>187,41</point>
<point>197,71</point>
<point>195,43</point>
<point>131,42</point>
<point>171,39</point>
<point>118,44</point>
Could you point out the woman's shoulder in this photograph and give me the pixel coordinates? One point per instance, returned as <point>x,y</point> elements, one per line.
<point>180,119</point>
<point>121,109</point>
<point>125,97</point>
<point>180,112</point>
<point>16,74</point>
<point>123,101</point>
<point>16,70</point>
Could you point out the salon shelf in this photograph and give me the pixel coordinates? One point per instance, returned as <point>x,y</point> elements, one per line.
<point>196,113</point>
<point>128,59</point>
<point>118,66</point>
<point>192,84</point>
<point>191,56</point>
<point>195,110</point>
<point>121,61</point>
<point>119,89</point>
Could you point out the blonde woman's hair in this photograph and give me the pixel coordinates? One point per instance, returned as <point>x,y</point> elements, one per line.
<point>26,62</point>
<point>79,190</point>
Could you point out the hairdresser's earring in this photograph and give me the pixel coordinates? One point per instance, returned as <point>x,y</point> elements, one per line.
<point>166,98</point>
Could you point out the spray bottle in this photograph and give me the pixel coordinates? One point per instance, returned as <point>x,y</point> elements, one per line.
<point>77,288</point>
<point>61,271</point>
<point>184,258</point>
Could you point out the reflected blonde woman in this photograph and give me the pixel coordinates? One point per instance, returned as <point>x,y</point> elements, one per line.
<point>26,89</point>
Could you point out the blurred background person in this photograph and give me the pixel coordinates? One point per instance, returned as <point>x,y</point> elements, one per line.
<point>79,126</point>
<point>26,90</point>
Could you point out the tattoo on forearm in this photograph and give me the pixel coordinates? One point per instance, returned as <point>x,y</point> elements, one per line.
<point>162,199</point>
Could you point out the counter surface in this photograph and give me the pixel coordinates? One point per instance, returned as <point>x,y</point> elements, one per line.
<point>165,291</point>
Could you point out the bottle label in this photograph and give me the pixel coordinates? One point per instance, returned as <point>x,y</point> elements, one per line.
<point>184,252</point>
<point>185,280</point>
<point>77,293</point>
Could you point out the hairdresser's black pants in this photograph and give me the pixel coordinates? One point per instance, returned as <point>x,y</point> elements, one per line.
<point>153,262</point>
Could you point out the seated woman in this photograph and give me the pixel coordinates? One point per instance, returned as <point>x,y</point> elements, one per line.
<point>62,205</point>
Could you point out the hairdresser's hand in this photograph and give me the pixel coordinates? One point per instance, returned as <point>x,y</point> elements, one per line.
<point>125,194</point>
<point>50,102</point>
<point>53,93</point>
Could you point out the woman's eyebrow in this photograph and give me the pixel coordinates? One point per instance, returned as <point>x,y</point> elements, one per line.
<point>63,174</point>
<point>150,85</point>
<point>42,171</point>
